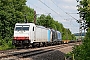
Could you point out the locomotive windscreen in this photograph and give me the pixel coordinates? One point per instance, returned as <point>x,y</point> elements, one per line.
<point>22,27</point>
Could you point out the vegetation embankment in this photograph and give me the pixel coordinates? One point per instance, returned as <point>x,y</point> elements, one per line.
<point>82,52</point>
<point>14,11</point>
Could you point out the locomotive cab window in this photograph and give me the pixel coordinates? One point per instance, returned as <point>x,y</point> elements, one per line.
<point>33,28</point>
<point>22,27</point>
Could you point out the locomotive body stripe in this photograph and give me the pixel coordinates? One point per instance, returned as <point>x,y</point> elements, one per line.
<point>21,38</point>
<point>48,35</point>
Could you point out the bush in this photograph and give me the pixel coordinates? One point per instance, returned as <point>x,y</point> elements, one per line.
<point>6,44</point>
<point>82,52</point>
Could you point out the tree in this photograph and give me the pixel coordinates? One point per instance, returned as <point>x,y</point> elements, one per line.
<point>84,10</point>
<point>16,11</point>
<point>49,22</point>
<point>12,12</point>
<point>82,52</point>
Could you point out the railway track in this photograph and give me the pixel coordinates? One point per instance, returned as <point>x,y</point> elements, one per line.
<point>5,51</point>
<point>31,52</point>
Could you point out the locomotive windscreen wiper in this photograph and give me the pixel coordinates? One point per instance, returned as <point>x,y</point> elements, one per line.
<point>18,28</point>
<point>25,28</point>
<point>22,27</point>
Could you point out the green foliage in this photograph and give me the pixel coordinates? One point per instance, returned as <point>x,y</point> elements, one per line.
<point>48,21</point>
<point>82,52</point>
<point>15,11</point>
<point>85,10</point>
<point>12,12</point>
<point>6,43</point>
<point>69,56</point>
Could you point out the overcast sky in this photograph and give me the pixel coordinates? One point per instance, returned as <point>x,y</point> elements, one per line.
<point>60,8</point>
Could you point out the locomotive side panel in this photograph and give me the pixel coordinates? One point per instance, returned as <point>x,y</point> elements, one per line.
<point>44,35</point>
<point>41,34</point>
<point>49,35</point>
<point>32,33</point>
<point>54,35</point>
<point>23,34</point>
<point>59,36</point>
<point>26,34</point>
<point>37,34</point>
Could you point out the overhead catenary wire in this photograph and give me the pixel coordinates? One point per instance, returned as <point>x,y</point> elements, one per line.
<point>39,8</point>
<point>50,8</point>
<point>55,11</point>
<point>59,8</point>
<point>64,11</point>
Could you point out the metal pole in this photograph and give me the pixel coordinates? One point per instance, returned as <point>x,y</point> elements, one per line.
<point>34,17</point>
<point>81,30</point>
<point>84,28</point>
<point>26,21</point>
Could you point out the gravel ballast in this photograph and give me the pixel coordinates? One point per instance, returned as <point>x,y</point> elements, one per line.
<point>53,55</point>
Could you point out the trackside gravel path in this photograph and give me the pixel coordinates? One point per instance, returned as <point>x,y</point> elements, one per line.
<point>44,53</point>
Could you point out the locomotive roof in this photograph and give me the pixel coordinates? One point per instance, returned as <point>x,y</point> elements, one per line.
<point>23,23</point>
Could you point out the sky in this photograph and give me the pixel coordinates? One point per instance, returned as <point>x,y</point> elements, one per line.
<point>60,10</point>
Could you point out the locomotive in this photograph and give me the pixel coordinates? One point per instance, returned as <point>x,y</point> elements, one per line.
<point>29,34</point>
